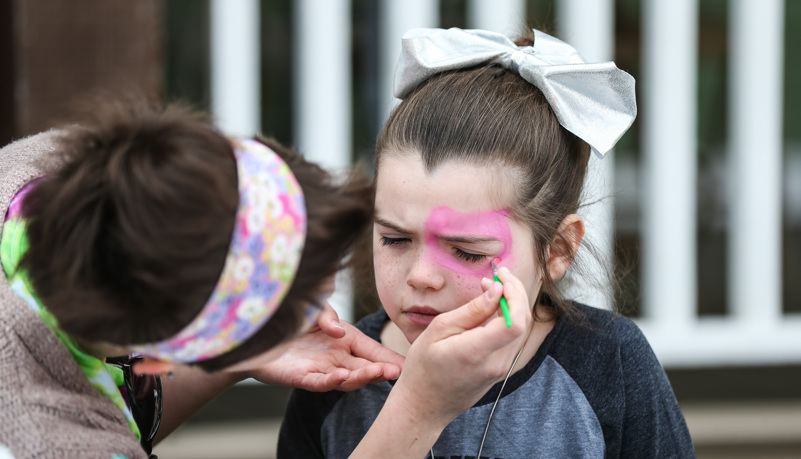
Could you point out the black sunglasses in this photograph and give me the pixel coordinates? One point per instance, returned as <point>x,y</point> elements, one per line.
<point>143,396</point>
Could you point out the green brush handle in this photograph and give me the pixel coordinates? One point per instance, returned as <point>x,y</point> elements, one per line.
<point>504,306</point>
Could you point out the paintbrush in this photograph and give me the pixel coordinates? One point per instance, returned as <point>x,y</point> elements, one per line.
<point>504,304</point>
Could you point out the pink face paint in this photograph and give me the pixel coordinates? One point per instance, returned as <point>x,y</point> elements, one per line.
<point>444,222</point>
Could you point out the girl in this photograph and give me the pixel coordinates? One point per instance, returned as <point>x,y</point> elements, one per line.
<point>145,231</point>
<point>483,160</point>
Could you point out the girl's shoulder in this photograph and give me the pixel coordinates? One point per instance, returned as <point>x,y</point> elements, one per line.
<point>609,337</point>
<point>605,352</point>
<point>600,324</point>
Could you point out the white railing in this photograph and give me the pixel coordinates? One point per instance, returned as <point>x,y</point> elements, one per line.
<point>755,331</point>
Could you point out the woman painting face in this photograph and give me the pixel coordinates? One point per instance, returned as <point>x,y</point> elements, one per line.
<point>435,234</point>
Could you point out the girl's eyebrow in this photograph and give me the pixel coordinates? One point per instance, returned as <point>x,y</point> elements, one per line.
<point>391,226</point>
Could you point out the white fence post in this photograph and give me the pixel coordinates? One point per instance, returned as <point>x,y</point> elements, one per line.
<point>235,66</point>
<point>398,16</point>
<point>756,50</point>
<point>503,16</point>
<point>668,179</point>
<point>589,25</point>
<point>323,82</point>
<point>323,121</point>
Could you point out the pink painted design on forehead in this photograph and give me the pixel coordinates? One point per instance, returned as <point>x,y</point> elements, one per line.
<point>446,222</point>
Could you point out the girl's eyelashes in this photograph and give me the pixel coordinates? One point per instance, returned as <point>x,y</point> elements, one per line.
<point>393,241</point>
<point>398,241</point>
<point>467,256</point>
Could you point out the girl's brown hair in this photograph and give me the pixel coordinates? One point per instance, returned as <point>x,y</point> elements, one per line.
<point>129,232</point>
<point>489,116</point>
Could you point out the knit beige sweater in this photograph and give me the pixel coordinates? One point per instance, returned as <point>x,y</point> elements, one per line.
<point>48,409</point>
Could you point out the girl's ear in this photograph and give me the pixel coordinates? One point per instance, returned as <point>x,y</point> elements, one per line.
<point>149,366</point>
<point>564,247</point>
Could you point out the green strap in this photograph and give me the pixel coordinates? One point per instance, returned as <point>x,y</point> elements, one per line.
<point>106,378</point>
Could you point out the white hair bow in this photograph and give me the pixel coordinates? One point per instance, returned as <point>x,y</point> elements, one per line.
<point>596,102</point>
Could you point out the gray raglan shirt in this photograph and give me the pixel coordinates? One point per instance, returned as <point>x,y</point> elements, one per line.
<point>594,389</point>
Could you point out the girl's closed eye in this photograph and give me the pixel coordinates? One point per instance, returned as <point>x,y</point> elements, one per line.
<point>393,241</point>
<point>469,257</point>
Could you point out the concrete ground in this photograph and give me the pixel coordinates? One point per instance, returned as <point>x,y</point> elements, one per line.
<point>765,430</point>
<point>229,440</point>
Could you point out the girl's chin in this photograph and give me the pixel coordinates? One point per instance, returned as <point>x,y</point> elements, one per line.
<point>411,334</point>
<point>411,337</point>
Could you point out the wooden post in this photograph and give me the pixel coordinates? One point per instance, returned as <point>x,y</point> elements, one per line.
<point>59,51</point>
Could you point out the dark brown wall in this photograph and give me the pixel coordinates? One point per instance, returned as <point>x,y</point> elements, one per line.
<point>62,50</point>
<point>6,73</point>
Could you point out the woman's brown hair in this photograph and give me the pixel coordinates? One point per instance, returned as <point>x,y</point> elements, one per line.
<point>129,232</point>
<point>490,116</point>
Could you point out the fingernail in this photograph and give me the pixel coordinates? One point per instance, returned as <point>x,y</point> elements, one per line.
<point>491,291</point>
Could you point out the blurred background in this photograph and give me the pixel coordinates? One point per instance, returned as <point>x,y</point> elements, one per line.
<point>698,208</point>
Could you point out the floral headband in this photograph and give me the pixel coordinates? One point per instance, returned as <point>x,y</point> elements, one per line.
<point>261,264</point>
<point>595,102</point>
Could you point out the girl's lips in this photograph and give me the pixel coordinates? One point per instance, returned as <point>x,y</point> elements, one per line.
<point>421,315</point>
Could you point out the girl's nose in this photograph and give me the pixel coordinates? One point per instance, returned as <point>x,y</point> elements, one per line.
<point>425,274</point>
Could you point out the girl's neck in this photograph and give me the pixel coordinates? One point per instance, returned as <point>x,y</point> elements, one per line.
<point>393,338</point>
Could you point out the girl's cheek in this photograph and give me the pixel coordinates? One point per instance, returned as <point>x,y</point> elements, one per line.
<point>465,277</point>
<point>384,272</point>
<point>469,286</point>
